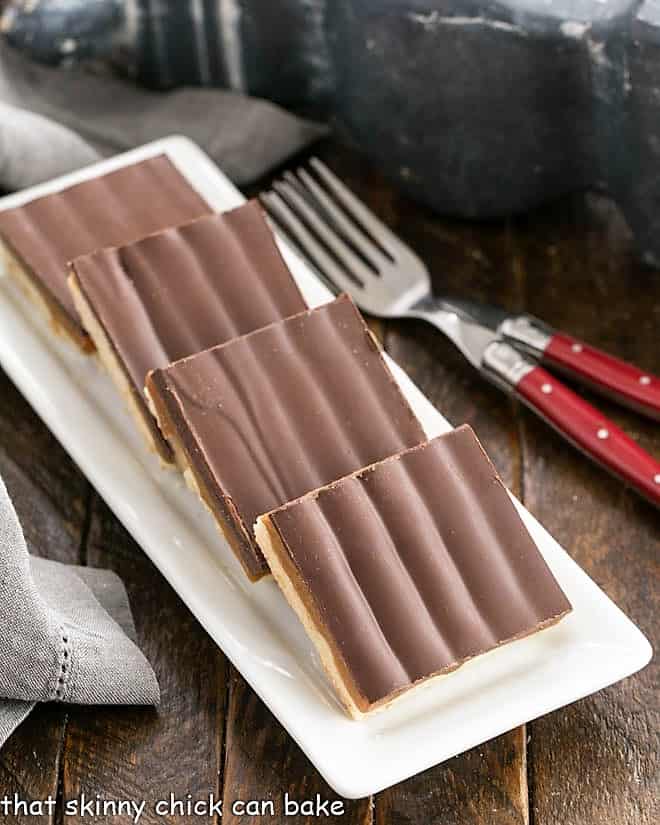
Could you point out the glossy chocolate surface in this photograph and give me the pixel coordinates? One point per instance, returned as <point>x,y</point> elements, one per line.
<point>284,410</point>
<point>188,288</point>
<point>418,563</point>
<point>46,234</point>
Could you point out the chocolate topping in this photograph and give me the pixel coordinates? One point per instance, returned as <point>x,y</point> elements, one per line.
<point>265,418</point>
<point>418,563</point>
<point>110,210</point>
<point>186,289</point>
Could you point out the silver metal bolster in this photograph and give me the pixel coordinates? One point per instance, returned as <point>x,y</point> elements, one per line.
<point>527,332</point>
<point>505,365</point>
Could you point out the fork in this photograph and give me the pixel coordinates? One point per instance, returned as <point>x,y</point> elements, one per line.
<point>354,252</point>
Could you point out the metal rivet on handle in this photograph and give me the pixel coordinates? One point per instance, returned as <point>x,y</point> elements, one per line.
<point>546,388</point>
<point>644,379</point>
<point>577,347</point>
<point>603,434</point>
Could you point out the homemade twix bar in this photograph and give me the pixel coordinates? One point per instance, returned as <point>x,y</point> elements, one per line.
<point>40,238</point>
<point>406,569</point>
<point>178,292</point>
<point>265,418</point>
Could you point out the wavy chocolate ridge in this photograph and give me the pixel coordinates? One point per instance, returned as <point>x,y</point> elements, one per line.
<point>415,565</point>
<point>270,416</point>
<point>47,233</point>
<point>188,288</point>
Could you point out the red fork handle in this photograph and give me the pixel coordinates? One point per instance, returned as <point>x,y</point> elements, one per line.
<point>604,373</point>
<point>590,431</point>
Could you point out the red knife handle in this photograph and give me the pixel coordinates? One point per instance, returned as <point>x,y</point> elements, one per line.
<point>605,373</point>
<point>590,431</point>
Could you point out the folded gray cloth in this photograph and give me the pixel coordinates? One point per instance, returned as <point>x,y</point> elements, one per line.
<point>245,136</point>
<point>34,149</point>
<point>66,633</point>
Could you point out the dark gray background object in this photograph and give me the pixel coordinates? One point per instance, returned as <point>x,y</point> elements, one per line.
<point>478,108</point>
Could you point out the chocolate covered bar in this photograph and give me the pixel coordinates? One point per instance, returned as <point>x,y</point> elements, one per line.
<point>178,292</point>
<point>270,416</point>
<point>40,238</point>
<point>406,569</point>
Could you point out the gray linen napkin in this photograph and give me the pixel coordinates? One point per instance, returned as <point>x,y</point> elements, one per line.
<point>66,633</point>
<point>103,114</point>
<point>34,149</point>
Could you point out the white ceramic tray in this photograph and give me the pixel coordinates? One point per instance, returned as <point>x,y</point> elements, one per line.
<point>593,647</point>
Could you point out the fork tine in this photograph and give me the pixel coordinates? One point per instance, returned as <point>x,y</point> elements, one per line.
<point>319,227</point>
<point>310,247</point>
<point>362,242</point>
<point>276,210</point>
<point>354,206</point>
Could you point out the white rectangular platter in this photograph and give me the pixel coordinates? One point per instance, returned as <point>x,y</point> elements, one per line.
<point>594,647</point>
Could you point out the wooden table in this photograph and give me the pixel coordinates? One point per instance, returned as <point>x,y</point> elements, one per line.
<point>593,762</point>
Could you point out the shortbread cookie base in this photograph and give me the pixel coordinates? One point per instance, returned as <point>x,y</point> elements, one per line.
<point>59,320</point>
<point>296,594</point>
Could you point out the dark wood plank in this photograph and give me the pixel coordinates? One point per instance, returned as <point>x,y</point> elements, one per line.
<point>489,783</point>
<point>596,761</point>
<point>50,497</point>
<point>144,754</point>
<point>484,785</point>
<point>30,766</point>
<point>263,763</point>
